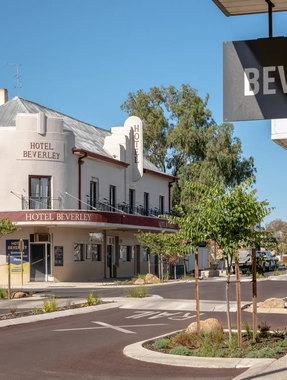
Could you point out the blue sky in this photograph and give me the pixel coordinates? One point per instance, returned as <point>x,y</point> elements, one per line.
<point>82,57</point>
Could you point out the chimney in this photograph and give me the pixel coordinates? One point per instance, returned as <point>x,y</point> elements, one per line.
<point>3,96</point>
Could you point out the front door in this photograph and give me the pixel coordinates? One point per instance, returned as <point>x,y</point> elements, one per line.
<point>110,260</point>
<point>37,262</point>
<point>40,262</point>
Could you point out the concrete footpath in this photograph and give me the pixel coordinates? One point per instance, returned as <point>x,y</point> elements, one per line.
<point>259,369</point>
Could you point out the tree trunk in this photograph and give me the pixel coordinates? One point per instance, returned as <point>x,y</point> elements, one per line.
<point>148,262</point>
<point>161,264</point>
<point>174,270</point>
<point>184,267</point>
<point>227,299</point>
<point>196,273</point>
<point>238,299</point>
<point>254,294</point>
<point>167,270</point>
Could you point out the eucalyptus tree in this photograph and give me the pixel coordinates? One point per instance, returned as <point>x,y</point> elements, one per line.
<point>180,136</point>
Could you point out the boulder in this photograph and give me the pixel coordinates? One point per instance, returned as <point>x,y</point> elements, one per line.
<point>139,281</point>
<point>207,326</point>
<point>270,303</point>
<point>19,295</point>
<point>151,279</point>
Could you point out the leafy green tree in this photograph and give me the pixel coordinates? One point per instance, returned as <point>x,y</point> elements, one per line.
<point>278,229</point>
<point>7,227</point>
<point>228,216</point>
<point>165,245</point>
<point>181,136</point>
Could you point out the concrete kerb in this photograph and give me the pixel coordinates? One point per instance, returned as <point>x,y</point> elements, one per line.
<point>138,352</point>
<point>59,314</point>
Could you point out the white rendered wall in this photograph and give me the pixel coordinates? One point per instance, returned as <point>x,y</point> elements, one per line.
<point>30,149</point>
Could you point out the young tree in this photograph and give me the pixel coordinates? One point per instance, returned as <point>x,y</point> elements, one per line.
<point>165,245</point>
<point>230,215</point>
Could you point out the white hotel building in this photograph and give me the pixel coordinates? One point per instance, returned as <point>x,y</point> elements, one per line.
<point>78,195</point>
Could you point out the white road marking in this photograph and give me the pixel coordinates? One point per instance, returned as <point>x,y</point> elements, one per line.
<point>106,325</point>
<point>118,328</point>
<point>176,316</point>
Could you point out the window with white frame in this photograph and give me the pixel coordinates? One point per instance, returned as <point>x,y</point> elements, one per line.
<point>145,254</point>
<point>39,192</point>
<point>93,251</point>
<point>161,204</point>
<point>93,198</point>
<point>112,198</point>
<point>127,252</point>
<point>146,203</point>
<point>78,252</point>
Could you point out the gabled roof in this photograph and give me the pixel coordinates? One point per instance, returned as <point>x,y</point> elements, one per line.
<point>87,136</point>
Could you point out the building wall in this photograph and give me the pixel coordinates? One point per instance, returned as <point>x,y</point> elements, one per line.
<point>38,146</point>
<point>18,146</point>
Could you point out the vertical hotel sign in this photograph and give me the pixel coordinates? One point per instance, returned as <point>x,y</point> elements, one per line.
<point>135,124</point>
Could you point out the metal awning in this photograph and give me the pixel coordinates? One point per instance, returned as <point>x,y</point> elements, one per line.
<point>246,7</point>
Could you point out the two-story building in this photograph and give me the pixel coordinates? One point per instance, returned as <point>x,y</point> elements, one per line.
<point>78,194</point>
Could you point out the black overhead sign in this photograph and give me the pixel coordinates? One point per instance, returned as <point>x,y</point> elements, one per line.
<point>255,79</point>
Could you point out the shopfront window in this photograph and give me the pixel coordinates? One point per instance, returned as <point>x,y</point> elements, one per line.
<point>93,251</point>
<point>78,252</point>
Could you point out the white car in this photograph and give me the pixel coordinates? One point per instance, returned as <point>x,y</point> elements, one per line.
<point>267,261</point>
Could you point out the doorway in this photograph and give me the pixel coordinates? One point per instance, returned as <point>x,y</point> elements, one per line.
<point>40,262</point>
<point>110,260</point>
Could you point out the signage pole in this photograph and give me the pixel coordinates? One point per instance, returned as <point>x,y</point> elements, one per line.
<point>21,247</point>
<point>9,278</point>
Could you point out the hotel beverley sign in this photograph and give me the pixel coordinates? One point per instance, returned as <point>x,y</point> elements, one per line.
<point>58,216</point>
<point>255,79</point>
<point>67,217</point>
<point>37,150</point>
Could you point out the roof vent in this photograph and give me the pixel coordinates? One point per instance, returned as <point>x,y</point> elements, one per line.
<point>3,96</point>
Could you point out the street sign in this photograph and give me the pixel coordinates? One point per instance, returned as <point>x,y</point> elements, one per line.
<point>255,79</point>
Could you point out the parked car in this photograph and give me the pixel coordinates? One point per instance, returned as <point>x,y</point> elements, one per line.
<point>265,261</point>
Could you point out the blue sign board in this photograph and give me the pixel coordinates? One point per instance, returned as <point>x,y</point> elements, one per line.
<point>12,248</point>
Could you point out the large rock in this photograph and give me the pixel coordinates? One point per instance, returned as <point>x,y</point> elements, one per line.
<point>139,281</point>
<point>270,303</point>
<point>151,279</point>
<point>19,295</point>
<point>207,326</point>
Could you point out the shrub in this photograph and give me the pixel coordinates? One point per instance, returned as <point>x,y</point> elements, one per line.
<point>94,299</point>
<point>36,310</point>
<point>13,310</point>
<point>185,339</point>
<point>248,330</point>
<point>3,293</point>
<point>162,343</point>
<point>181,350</point>
<point>263,330</point>
<point>138,292</point>
<point>50,305</point>
<point>266,352</point>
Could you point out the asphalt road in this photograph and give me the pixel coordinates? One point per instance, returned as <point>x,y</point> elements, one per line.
<point>90,346</point>
<point>209,290</point>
